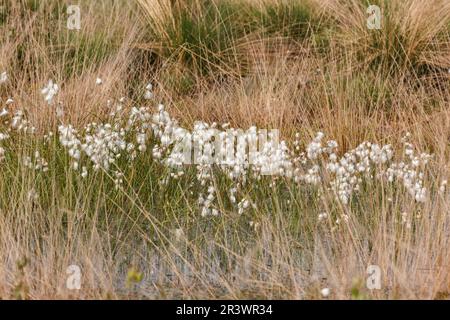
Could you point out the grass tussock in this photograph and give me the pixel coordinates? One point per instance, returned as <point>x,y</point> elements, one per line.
<point>88,176</point>
<point>212,38</point>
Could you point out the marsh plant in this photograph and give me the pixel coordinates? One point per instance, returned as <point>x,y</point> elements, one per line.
<point>224,149</point>
<point>136,152</point>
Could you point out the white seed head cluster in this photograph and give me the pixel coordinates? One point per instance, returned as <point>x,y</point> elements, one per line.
<point>20,123</point>
<point>443,187</point>
<point>3,77</point>
<point>4,113</point>
<point>148,92</point>
<point>3,136</point>
<point>410,172</point>
<point>243,206</point>
<point>318,165</point>
<point>350,169</point>
<point>206,204</point>
<point>240,155</point>
<point>37,162</point>
<point>49,91</point>
<point>103,144</point>
<point>68,138</point>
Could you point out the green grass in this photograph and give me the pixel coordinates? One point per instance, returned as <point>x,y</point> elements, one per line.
<point>277,248</point>
<point>294,20</point>
<point>211,40</point>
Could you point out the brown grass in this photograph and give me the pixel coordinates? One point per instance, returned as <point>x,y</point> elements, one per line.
<point>360,85</point>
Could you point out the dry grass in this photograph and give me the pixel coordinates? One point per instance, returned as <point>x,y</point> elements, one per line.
<point>335,76</point>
